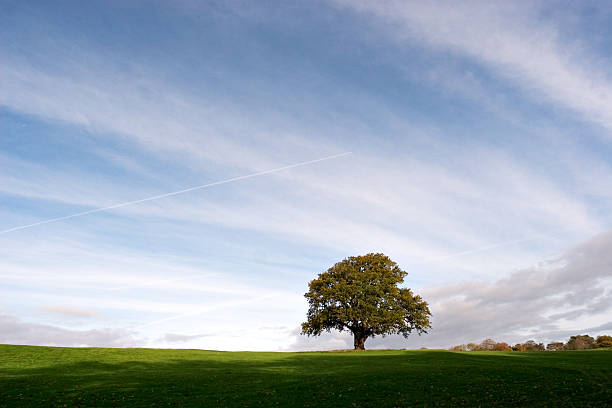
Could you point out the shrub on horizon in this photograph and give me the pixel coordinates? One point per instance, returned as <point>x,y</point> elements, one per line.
<point>581,342</point>
<point>485,345</point>
<point>603,341</point>
<point>531,345</point>
<point>555,346</point>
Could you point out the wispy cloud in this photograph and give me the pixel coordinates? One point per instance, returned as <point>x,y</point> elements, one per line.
<point>69,311</point>
<point>16,331</point>
<point>513,39</point>
<point>180,338</point>
<point>173,193</point>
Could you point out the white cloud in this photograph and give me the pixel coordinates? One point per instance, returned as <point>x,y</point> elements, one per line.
<point>159,117</point>
<point>69,311</point>
<point>16,331</point>
<point>446,209</point>
<point>513,39</point>
<point>333,340</point>
<point>180,338</point>
<point>414,211</point>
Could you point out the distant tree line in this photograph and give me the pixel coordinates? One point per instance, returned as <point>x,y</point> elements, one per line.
<point>580,342</point>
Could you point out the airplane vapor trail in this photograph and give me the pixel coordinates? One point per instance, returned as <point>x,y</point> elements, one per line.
<point>203,186</point>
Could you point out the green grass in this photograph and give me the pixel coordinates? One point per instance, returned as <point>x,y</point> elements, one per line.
<point>71,377</point>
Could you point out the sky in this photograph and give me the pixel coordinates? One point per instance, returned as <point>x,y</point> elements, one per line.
<point>471,142</point>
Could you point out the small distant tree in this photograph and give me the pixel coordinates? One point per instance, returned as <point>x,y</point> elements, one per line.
<point>603,341</point>
<point>518,347</point>
<point>531,345</point>
<point>582,342</point>
<point>502,347</point>
<point>361,295</point>
<point>487,345</point>
<point>555,346</point>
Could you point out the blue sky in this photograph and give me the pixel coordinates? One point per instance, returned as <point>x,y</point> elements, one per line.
<point>481,163</point>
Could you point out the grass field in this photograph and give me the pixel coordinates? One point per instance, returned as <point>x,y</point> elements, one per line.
<point>71,377</point>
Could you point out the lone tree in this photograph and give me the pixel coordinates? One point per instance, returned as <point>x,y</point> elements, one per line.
<point>361,294</point>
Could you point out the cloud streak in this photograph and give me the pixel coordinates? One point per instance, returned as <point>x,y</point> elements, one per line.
<point>174,193</point>
<point>510,38</point>
<point>69,311</point>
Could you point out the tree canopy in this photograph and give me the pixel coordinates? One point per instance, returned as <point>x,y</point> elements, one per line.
<point>361,294</point>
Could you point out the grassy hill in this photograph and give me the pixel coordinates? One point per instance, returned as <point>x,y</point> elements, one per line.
<point>47,376</point>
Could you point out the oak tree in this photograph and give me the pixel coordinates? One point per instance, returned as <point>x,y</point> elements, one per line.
<point>361,294</point>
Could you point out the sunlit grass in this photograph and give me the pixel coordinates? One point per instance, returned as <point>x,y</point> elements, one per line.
<point>44,376</point>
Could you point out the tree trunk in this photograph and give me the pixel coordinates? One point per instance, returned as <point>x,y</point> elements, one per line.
<point>359,340</point>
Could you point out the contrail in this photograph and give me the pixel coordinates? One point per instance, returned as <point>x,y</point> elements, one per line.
<point>216,183</point>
